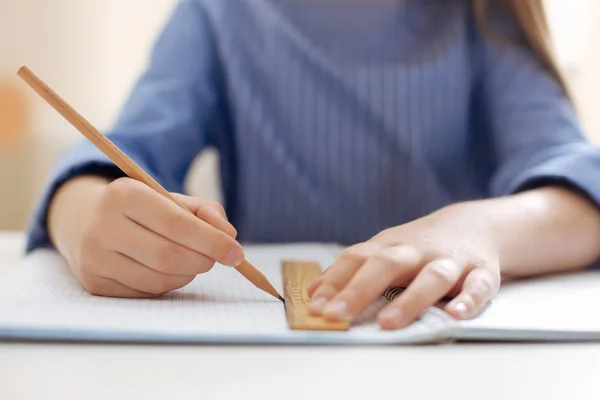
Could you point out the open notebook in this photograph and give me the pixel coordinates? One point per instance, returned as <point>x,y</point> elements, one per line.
<point>39,300</point>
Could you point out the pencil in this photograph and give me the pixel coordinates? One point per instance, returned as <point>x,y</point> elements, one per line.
<point>126,164</point>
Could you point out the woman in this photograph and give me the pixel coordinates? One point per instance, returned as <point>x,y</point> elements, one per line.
<point>435,138</point>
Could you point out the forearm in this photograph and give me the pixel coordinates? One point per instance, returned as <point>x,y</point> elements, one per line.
<point>544,231</point>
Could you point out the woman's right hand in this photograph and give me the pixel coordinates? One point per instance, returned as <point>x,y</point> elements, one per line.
<point>123,239</point>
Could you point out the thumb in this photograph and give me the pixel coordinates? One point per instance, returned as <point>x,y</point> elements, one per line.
<point>209,211</point>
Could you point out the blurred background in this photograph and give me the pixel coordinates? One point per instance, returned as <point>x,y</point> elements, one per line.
<point>92,51</point>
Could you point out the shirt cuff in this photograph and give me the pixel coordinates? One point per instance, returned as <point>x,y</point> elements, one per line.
<point>574,166</point>
<point>82,159</point>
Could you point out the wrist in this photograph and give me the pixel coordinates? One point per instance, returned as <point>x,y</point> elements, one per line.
<point>542,230</point>
<point>69,210</point>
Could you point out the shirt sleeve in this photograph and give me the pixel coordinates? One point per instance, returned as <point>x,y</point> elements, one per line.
<point>536,138</point>
<point>165,122</point>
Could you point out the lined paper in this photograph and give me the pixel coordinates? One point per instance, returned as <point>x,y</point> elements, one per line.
<point>43,293</point>
<point>40,299</point>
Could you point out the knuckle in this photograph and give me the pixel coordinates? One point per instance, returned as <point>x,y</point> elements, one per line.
<point>352,253</point>
<point>218,207</point>
<point>387,257</point>
<point>486,284</point>
<point>120,190</point>
<point>360,252</point>
<point>446,271</point>
<point>398,256</point>
<point>209,208</point>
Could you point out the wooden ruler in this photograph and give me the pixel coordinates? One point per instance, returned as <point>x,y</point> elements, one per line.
<point>297,277</point>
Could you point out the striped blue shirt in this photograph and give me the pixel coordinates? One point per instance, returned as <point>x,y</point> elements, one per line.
<point>336,120</point>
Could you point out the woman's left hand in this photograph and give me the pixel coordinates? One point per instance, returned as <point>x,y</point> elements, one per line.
<point>448,253</point>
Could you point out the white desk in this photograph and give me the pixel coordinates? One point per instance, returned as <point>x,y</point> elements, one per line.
<point>490,372</point>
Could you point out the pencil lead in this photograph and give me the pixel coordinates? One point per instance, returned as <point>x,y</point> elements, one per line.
<point>282,299</point>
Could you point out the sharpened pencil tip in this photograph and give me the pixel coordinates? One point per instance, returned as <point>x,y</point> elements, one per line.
<point>282,299</point>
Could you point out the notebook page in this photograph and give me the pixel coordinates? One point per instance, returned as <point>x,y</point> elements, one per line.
<point>559,303</point>
<point>40,299</point>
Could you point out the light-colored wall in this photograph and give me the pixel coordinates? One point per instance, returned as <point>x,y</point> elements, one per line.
<point>92,51</point>
<point>586,83</point>
<point>29,33</point>
<point>576,34</point>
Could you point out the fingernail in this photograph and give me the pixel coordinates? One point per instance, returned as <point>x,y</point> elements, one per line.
<point>461,310</point>
<point>337,310</point>
<point>392,318</point>
<point>235,257</point>
<point>317,305</point>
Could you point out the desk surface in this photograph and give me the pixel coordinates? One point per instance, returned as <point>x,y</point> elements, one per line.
<point>465,371</point>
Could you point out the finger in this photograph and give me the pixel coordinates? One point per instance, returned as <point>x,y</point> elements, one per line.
<point>371,281</point>
<point>156,252</point>
<point>312,288</point>
<point>136,276</point>
<point>162,216</point>
<point>106,287</point>
<point>480,286</point>
<point>432,283</point>
<point>209,211</point>
<point>340,273</point>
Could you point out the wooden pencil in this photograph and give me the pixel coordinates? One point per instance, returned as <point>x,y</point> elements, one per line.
<point>126,164</point>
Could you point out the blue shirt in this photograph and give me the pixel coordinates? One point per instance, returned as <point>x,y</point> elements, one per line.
<point>337,120</point>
